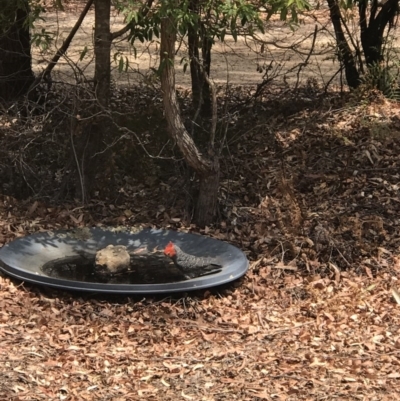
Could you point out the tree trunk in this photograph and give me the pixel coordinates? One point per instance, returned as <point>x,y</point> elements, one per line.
<point>373,31</point>
<point>206,54</point>
<point>102,51</point>
<point>206,169</point>
<point>345,54</point>
<point>16,74</point>
<point>201,95</point>
<point>194,56</point>
<point>207,200</point>
<point>90,159</point>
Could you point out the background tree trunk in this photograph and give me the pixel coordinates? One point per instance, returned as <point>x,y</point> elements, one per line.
<point>207,169</point>
<point>206,54</point>
<point>102,51</point>
<point>372,31</point>
<point>194,56</point>
<point>197,38</point>
<point>345,53</point>
<point>90,158</point>
<point>16,74</point>
<point>207,200</point>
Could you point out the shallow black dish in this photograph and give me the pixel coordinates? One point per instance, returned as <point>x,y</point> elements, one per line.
<point>36,257</point>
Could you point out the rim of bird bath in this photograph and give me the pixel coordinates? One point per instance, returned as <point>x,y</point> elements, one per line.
<point>25,257</point>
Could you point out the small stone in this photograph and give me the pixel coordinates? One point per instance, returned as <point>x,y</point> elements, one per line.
<point>112,259</point>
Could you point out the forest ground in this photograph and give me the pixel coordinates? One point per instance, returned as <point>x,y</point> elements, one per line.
<point>310,191</point>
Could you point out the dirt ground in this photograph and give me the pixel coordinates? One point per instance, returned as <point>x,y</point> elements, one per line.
<point>233,62</point>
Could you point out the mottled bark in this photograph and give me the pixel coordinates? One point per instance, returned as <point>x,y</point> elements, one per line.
<point>207,168</point>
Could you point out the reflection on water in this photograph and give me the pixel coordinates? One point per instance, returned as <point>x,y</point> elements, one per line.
<point>143,269</point>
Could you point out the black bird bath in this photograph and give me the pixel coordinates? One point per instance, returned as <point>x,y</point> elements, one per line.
<point>65,259</point>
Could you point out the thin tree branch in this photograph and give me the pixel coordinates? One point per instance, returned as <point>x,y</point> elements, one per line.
<point>143,11</point>
<point>123,31</point>
<point>305,62</point>
<point>356,47</point>
<point>63,48</point>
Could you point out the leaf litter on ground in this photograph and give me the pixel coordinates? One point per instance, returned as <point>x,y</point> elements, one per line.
<point>313,201</point>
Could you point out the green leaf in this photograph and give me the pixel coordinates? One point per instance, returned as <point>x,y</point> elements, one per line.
<point>222,35</point>
<point>283,15</point>
<point>234,35</point>
<point>121,65</point>
<point>83,53</point>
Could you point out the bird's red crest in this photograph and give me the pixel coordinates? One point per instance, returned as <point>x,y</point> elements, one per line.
<point>170,250</point>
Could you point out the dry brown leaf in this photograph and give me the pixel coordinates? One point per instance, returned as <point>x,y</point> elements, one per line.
<point>396,295</point>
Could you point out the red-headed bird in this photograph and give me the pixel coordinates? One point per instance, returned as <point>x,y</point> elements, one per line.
<point>191,266</point>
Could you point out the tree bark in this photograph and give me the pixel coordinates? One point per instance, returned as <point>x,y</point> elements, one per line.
<point>102,51</point>
<point>195,72</point>
<point>207,168</point>
<point>372,33</point>
<point>207,201</point>
<point>88,155</point>
<point>16,73</point>
<point>206,54</point>
<point>197,38</point>
<point>345,54</point>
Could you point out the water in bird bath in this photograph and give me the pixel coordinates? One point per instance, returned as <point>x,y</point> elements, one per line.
<point>143,269</point>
